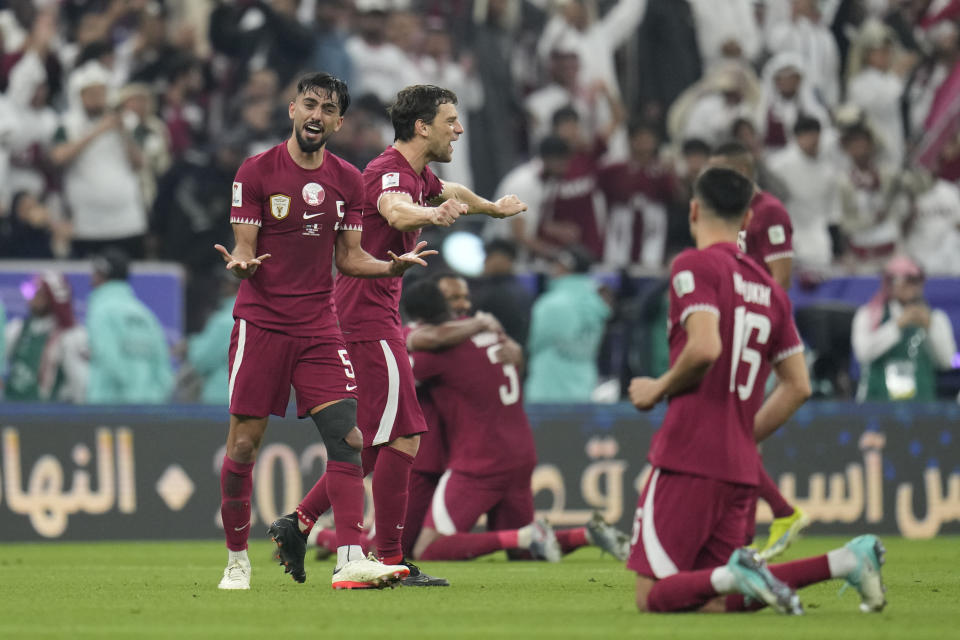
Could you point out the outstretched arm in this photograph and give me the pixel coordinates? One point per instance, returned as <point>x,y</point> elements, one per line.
<point>503,208</point>
<point>403,215</point>
<point>436,337</point>
<point>353,260</point>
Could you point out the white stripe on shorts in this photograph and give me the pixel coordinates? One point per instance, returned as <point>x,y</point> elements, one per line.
<point>660,562</point>
<point>441,517</point>
<point>393,396</point>
<point>238,356</point>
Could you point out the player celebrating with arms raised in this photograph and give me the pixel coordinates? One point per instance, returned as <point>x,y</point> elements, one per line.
<point>401,196</point>
<point>728,323</point>
<point>291,205</point>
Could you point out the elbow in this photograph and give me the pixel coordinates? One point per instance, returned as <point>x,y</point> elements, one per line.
<point>803,391</point>
<point>705,354</point>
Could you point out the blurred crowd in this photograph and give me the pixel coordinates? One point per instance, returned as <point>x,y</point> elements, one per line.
<point>122,123</point>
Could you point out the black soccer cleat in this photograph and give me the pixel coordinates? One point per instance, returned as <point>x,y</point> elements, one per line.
<point>418,578</point>
<point>291,545</point>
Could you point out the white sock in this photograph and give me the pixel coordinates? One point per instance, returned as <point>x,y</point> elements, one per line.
<point>842,562</point>
<point>723,581</point>
<point>525,536</point>
<point>240,556</point>
<point>348,552</point>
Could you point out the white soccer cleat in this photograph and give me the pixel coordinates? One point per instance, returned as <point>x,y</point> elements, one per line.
<point>866,578</point>
<point>600,534</point>
<point>544,545</point>
<point>368,573</point>
<point>236,575</point>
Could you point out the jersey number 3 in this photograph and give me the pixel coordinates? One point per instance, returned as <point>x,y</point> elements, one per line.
<point>745,323</point>
<point>510,392</point>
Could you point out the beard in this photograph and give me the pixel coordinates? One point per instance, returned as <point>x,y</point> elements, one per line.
<point>308,146</point>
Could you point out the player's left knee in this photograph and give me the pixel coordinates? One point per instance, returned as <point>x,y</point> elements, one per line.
<point>337,425</point>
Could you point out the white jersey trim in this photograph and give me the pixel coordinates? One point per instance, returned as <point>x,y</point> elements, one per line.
<point>351,227</point>
<point>239,220</point>
<point>698,307</point>
<point>389,416</point>
<point>783,355</point>
<point>660,562</point>
<point>238,357</point>
<point>442,521</point>
<point>780,255</point>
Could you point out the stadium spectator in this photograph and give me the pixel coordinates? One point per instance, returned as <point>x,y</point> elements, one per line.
<point>872,211</point>
<point>129,355</point>
<point>876,86</point>
<point>575,212</point>
<point>786,97</point>
<point>380,67</point>
<point>708,109</point>
<point>498,292</point>
<point>567,324</point>
<point>688,557</point>
<point>805,33</point>
<point>814,200</point>
<point>638,193</point>
<point>47,358</point>
<point>138,116</point>
<point>694,155</point>
<point>534,182</point>
<point>31,231</point>
<point>726,31</point>
<point>331,32</point>
<point>745,132</point>
<point>563,89</point>
<point>899,341</point>
<point>99,162</point>
<point>933,229</point>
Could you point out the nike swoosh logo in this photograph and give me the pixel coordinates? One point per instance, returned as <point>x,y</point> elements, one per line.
<point>241,528</point>
<point>307,216</point>
<point>351,387</point>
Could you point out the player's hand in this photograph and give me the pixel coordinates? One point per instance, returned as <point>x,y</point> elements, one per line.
<point>645,393</point>
<point>490,323</point>
<point>914,315</point>
<point>508,206</point>
<point>448,212</point>
<point>242,268</point>
<point>399,264</point>
<point>509,353</point>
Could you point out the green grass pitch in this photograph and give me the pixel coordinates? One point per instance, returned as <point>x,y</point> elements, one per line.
<point>168,590</point>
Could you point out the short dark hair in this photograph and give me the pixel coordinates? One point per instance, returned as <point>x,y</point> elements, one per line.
<point>445,274</point>
<point>322,81</point>
<point>112,263</point>
<point>643,125</point>
<point>501,245</point>
<point>564,114</point>
<point>423,301</point>
<point>725,192</point>
<point>731,149</point>
<point>694,145</point>
<point>417,102</point>
<point>806,124</point>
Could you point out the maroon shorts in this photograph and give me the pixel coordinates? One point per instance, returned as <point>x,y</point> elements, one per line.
<point>687,522</point>
<point>388,407</point>
<point>264,364</point>
<point>460,500</point>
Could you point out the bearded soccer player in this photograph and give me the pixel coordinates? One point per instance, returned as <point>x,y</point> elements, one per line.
<point>401,196</point>
<point>293,207</point>
<point>768,239</point>
<point>729,324</point>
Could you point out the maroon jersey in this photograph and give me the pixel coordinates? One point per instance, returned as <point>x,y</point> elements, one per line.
<point>432,453</point>
<point>708,430</point>
<point>480,403</point>
<point>769,236</point>
<point>369,309</point>
<point>299,212</point>
<point>576,199</point>
<point>639,188</point>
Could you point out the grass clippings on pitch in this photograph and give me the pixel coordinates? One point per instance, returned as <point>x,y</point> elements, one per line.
<point>169,590</point>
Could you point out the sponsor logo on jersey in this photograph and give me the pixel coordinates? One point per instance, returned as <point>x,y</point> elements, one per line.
<point>279,206</point>
<point>390,180</point>
<point>683,283</point>
<point>313,194</point>
<point>237,194</point>
<point>312,230</point>
<point>776,234</point>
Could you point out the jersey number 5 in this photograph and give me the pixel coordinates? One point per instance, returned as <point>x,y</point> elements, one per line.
<point>744,324</point>
<point>510,393</point>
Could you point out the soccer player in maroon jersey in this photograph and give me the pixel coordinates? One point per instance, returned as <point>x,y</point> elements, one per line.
<point>768,239</point>
<point>491,454</point>
<point>729,323</point>
<point>294,206</point>
<point>401,196</point>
